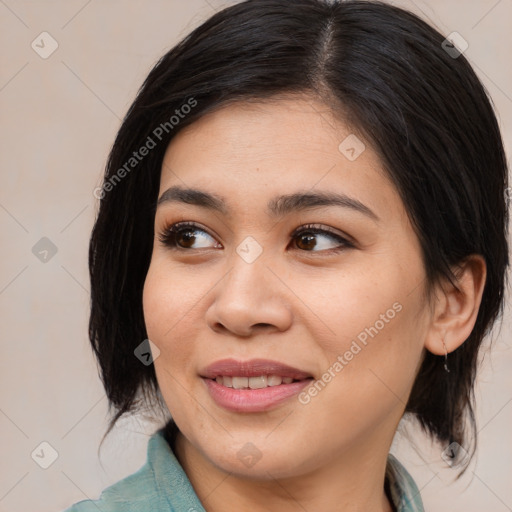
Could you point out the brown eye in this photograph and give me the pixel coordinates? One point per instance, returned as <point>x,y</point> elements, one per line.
<point>313,239</point>
<point>306,242</point>
<point>186,235</point>
<point>185,238</point>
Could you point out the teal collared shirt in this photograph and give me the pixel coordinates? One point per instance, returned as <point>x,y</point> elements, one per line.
<point>161,485</point>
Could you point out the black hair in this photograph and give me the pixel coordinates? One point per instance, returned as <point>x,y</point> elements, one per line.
<point>388,74</point>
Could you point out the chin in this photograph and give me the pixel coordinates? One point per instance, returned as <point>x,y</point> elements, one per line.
<point>252,463</point>
<point>260,459</point>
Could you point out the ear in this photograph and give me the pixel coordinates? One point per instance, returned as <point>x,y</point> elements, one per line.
<point>456,310</point>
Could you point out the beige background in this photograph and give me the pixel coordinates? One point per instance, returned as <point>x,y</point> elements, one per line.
<point>59,117</point>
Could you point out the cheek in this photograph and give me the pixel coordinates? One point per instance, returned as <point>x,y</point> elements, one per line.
<point>168,325</point>
<point>167,314</point>
<point>375,337</point>
<point>362,304</point>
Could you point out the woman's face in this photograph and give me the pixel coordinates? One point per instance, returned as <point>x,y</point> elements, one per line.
<point>301,265</point>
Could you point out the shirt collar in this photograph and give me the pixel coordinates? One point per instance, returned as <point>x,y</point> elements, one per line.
<point>405,495</point>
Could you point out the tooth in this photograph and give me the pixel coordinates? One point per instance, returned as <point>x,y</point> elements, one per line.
<point>274,380</point>
<point>227,381</point>
<point>287,380</point>
<point>258,382</point>
<point>219,380</point>
<point>240,382</point>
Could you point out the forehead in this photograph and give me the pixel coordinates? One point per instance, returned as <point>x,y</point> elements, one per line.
<point>267,148</point>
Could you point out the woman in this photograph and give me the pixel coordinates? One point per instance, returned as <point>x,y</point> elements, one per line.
<point>304,211</point>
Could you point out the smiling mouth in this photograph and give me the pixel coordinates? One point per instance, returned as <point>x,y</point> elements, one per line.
<point>258,382</point>
<point>253,386</point>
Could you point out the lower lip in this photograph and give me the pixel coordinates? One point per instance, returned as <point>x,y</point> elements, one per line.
<point>253,400</point>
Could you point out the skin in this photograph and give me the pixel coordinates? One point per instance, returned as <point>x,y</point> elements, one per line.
<point>298,304</point>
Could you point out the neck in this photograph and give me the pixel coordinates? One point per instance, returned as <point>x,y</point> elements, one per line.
<point>352,481</point>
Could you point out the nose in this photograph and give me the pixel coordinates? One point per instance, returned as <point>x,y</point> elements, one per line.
<point>251,298</point>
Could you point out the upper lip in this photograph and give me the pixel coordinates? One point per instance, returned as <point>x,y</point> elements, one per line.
<point>252,368</point>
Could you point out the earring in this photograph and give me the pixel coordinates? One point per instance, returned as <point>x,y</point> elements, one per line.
<point>445,357</point>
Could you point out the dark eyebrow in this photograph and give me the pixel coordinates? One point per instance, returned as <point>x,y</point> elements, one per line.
<point>298,201</point>
<point>277,207</point>
<point>195,197</point>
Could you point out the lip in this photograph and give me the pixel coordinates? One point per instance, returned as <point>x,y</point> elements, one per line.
<point>252,368</point>
<point>252,400</point>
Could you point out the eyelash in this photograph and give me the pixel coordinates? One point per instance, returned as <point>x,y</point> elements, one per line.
<point>169,234</point>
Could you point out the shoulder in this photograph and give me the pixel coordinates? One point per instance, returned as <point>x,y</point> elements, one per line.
<point>127,495</point>
<point>149,488</point>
